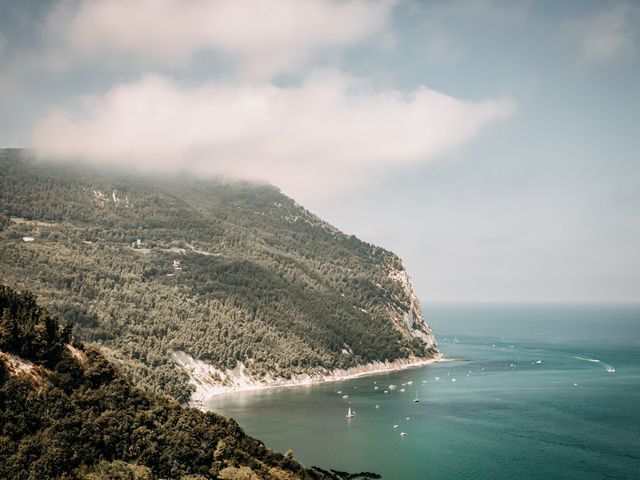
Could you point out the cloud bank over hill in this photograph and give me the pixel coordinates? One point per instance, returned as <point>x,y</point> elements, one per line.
<point>325,132</point>
<point>330,133</point>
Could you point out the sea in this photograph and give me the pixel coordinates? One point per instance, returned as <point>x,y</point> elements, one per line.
<point>525,391</point>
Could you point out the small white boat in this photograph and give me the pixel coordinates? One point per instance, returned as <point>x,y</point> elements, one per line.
<point>350,413</point>
<point>396,426</point>
<point>345,396</point>
<point>402,390</point>
<point>416,400</point>
<point>402,434</point>
<point>392,387</point>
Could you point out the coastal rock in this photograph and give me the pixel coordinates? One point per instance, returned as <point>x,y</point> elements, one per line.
<point>412,320</point>
<point>210,381</point>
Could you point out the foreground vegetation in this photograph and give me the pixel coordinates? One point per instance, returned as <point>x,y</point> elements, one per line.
<point>67,412</point>
<point>226,272</point>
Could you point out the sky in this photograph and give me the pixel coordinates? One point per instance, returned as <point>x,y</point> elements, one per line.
<point>492,144</point>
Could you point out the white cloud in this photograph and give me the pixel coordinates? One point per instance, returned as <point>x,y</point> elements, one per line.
<point>264,36</point>
<point>605,36</point>
<point>330,134</point>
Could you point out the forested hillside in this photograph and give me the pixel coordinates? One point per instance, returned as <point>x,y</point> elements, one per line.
<point>67,413</point>
<point>229,273</point>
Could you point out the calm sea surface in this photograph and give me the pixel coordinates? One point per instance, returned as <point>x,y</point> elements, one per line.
<point>535,396</point>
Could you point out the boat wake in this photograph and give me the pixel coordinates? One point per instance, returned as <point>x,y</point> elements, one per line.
<point>594,360</point>
<point>606,366</point>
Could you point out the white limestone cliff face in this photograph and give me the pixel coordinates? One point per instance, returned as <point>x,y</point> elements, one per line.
<point>210,381</point>
<point>412,319</point>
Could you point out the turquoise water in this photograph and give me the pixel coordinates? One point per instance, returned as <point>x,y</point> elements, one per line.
<point>522,406</point>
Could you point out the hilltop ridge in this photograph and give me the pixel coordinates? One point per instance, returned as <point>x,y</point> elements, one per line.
<point>231,274</point>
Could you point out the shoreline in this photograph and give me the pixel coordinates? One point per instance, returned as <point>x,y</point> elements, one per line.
<point>207,390</point>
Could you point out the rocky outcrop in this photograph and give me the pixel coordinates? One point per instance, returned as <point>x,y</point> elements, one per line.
<point>412,320</point>
<point>210,381</point>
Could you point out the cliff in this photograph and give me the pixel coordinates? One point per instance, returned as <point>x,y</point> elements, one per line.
<point>236,277</point>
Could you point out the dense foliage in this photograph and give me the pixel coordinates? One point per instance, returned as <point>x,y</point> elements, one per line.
<point>66,412</point>
<point>260,280</point>
<point>29,331</point>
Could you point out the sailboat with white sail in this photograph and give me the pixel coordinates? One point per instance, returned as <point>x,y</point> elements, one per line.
<point>350,413</point>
